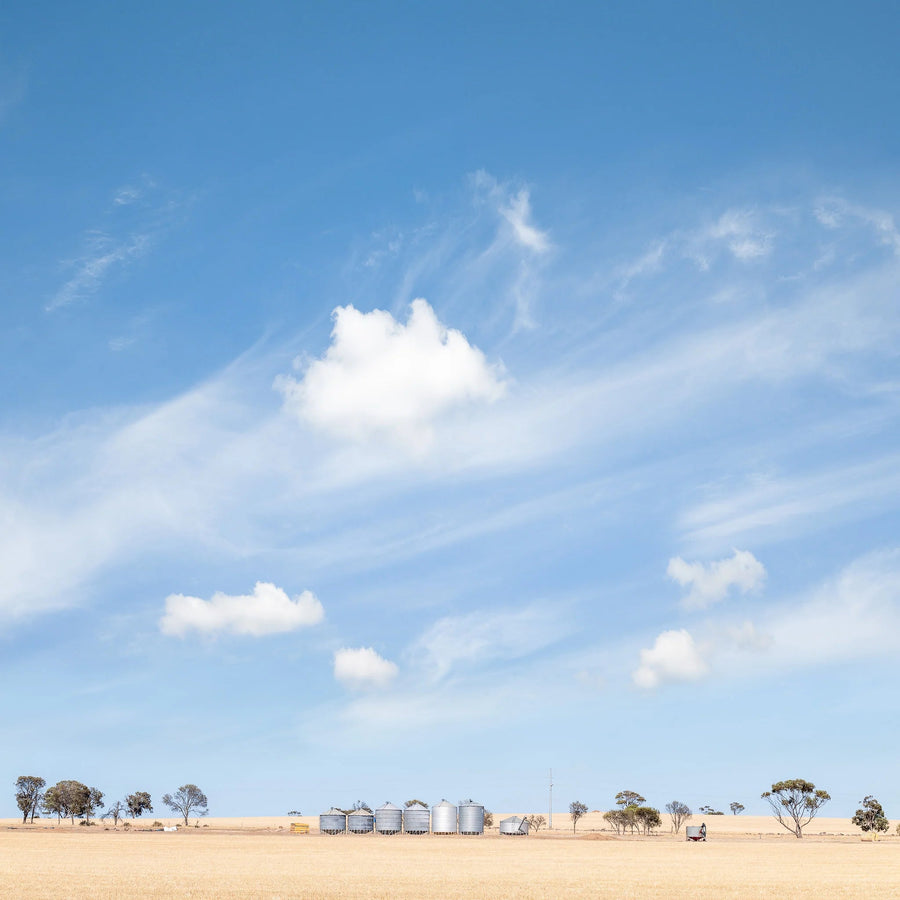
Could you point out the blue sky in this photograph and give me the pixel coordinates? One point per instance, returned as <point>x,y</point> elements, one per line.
<point>400,400</point>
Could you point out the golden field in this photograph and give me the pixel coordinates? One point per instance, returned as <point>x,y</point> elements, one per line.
<point>258,857</point>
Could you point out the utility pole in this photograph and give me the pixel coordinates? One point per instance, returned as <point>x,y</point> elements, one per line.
<point>551,800</point>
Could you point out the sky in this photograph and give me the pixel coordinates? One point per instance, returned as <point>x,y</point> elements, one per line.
<point>402,400</point>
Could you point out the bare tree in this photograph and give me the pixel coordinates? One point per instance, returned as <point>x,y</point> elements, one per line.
<point>186,800</point>
<point>488,819</point>
<point>29,794</point>
<point>536,822</point>
<point>736,808</point>
<point>138,803</point>
<point>576,811</point>
<point>795,803</point>
<point>116,812</point>
<point>679,813</point>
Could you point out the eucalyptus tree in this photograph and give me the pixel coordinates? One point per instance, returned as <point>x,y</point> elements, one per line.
<point>795,803</point>
<point>186,800</point>
<point>29,794</point>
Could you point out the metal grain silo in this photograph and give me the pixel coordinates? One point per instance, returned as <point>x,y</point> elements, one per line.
<point>443,818</point>
<point>471,818</point>
<point>333,822</point>
<point>360,821</point>
<point>416,819</point>
<point>388,819</point>
<point>514,825</point>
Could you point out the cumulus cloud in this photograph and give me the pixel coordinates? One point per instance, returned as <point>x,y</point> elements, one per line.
<point>380,377</point>
<point>673,657</point>
<point>711,583</point>
<point>268,610</point>
<point>362,667</point>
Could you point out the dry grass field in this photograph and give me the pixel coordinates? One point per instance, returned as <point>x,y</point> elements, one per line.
<point>249,858</point>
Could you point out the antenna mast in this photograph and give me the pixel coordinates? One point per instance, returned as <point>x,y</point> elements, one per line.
<point>551,800</point>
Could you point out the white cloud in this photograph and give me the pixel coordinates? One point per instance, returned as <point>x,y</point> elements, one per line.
<point>673,657</point>
<point>482,636</point>
<point>517,211</point>
<point>126,195</point>
<point>362,667</point>
<point>380,377</point>
<point>268,610</point>
<point>710,583</point>
<point>854,616</point>
<point>768,509</point>
<point>747,636</point>
<point>833,213</point>
<point>739,231</point>
<point>120,343</point>
<point>91,269</point>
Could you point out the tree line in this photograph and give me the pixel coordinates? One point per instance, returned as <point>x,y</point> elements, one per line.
<point>794,804</point>
<point>74,800</point>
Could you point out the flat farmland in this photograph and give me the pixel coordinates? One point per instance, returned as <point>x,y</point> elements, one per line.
<point>264,860</point>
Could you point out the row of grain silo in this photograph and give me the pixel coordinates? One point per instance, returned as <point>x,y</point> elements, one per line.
<point>443,818</point>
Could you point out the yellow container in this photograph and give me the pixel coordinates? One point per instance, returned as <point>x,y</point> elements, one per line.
<point>299,828</point>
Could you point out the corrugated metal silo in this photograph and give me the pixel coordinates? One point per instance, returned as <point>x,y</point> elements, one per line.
<point>416,819</point>
<point>471,818</point>
<point>388,819</point>
<point>514,825</point>
<point>360,821</point>
<point>443,818</point>
<point>333,822</point>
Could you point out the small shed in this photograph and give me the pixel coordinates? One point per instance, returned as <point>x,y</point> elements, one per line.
<point>514,825</point>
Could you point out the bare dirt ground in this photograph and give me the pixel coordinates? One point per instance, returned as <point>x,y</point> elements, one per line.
<point>250,858</point>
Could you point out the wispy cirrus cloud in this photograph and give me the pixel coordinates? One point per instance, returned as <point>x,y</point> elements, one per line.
<point>513,205</point>
<point>836,213</point>
<point>487,635</point>
<point>137,217</point>
<point>103,255</point>
<point>768,508</point>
